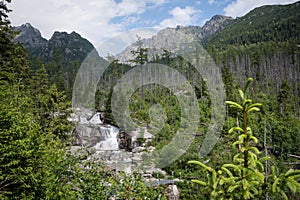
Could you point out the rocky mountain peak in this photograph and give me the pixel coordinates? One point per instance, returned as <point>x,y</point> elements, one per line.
<point>29,36</point>
<point>62,54</point>
<point>215,24</point>
<point>60,35</point>
<point>28,28</point>
<point>63,39</point>
<point>70,45</point>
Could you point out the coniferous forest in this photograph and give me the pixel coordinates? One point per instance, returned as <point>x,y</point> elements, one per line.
<point>256,157</point>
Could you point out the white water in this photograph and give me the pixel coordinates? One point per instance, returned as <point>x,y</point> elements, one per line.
<point>96,119</point>
<point>83,120</point>
<point>110,141</point>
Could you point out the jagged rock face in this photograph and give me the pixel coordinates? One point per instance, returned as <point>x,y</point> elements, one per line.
<point>217,23</point>
<point>72,46</point>
<point>155,43</point>
<point>88,135</point>
<point>29,36</point>
<point>62,55</point>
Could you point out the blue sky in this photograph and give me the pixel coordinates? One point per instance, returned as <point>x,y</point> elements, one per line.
<point>99,20</point>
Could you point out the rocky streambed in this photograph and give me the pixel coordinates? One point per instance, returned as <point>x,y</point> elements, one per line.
<point>119,150</point>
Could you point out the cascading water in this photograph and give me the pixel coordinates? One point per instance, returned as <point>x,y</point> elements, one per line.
<point>103,141</point>
<point>110,141</point>
<point>96,119</point>
<point>91,132</point>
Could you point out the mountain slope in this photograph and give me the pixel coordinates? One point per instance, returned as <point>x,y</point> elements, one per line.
<point>30,37</point>
<point>62,54</point>
<point>266,23</point>
<point>263,44</point>
<point>276,26</point>
<point>72,45</point>
<point>215,24</point>
<point>155,43</point>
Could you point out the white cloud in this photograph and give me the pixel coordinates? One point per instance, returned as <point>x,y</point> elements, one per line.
<point>92,19</point>
<point>211,2</point>
<point>157,2</point>
<point>180,16</point>
<point>241,7</point>
<point>127,7</point>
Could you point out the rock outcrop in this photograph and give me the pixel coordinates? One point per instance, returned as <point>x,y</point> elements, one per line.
<point>119,150</point>
<point>172,192</point>
<point>216,23</point>
<point>29,36</point>
<point>62,54</point>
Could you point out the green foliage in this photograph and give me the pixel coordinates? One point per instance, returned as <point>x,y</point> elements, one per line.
<point>108,117</point>
<point>49,105</point>
<point>62,56</point>
<point>31,149</point>
<point>35,161</point>
<point>267,23</point>
<point>244,177</point>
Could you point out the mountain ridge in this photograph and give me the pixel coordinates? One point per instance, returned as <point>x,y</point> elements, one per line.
<point>29,36</point>
<point>65,52</point>
<point>266,23</point>
<point>62,54</point>
<point>32,39</point>
<point>215,24</point>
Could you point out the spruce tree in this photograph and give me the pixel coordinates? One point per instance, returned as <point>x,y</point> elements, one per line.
<point>244,177</point>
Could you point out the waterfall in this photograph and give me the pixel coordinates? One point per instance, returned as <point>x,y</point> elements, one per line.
<point>110,142</point>
<point>96,119</point>
<point>104,142</point>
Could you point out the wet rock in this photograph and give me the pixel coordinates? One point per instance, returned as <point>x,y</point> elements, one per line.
<point>151,149</point>
<point>137,157</point>
<point>172,192</point>
<point>87,135</point>
<point>95,119</point>
<point>138,149</point>
<point>124,141</point>
<point>118,150</point>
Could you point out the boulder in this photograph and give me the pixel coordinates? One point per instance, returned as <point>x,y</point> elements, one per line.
<point>172,192</point>
<point>124,141</point>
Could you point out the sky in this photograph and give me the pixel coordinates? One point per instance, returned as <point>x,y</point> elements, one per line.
<point>99,20</point>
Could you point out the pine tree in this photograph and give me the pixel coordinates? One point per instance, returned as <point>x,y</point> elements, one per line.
<point>244,178</point>
<point>141,58</point>
<point>32,122</point>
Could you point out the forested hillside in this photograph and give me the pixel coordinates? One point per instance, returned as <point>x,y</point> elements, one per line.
<point>35,161</point>
<point>62,54</point>
<point>264,44</point>
<point>267,23</point>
